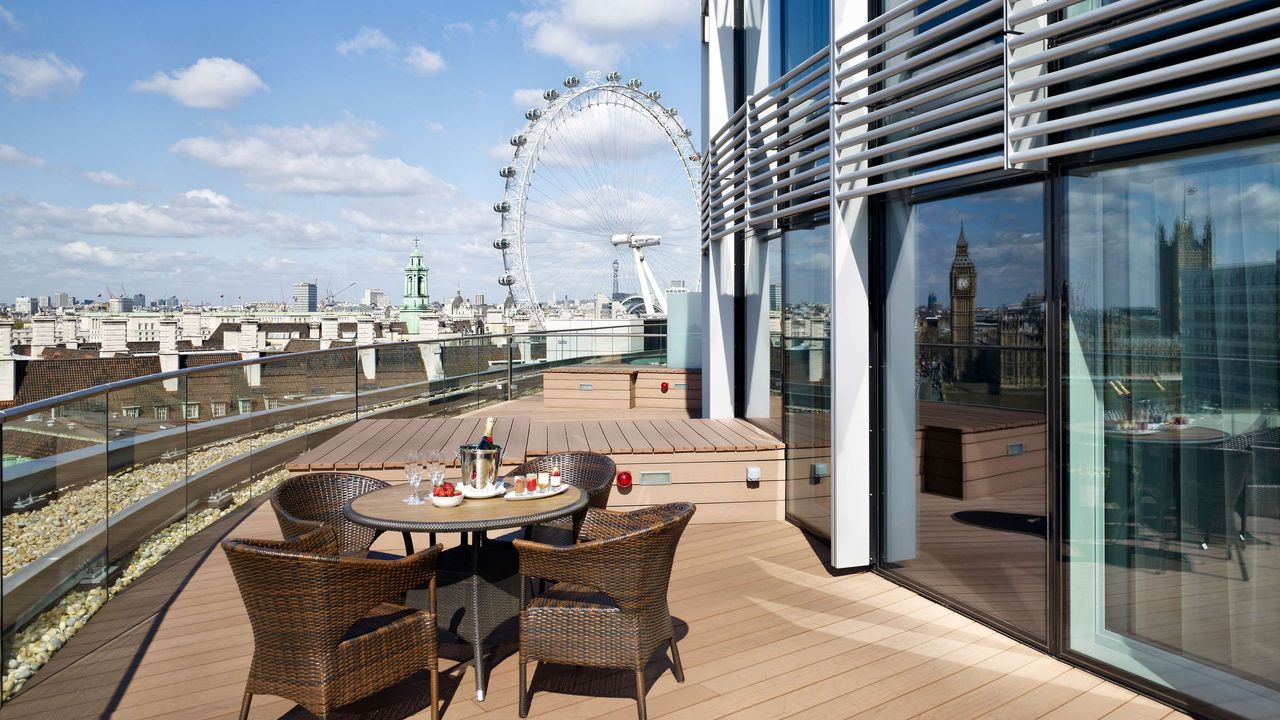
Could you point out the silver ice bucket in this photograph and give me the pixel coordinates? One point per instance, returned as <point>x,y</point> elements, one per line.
<point>480,466</point>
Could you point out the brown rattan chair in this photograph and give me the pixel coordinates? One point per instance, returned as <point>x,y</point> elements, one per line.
<point>329,630</point>
<point>305,502</point>
<point>590,472</point>
<point>608,604</point>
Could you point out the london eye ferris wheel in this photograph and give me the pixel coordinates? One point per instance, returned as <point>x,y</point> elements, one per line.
<point>600,196</point>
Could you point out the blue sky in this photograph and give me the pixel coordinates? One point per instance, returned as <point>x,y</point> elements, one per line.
<point>235,148</point>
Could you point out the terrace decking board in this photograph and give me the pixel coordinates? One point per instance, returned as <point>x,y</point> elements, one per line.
<point>398,441</point>
<point>596,441</point>
<point>360,458</point>
<point>432,432</point>
<point>517,442</point>
<point>764,630</point>
<point>617,440</point>
<point>361,432</point>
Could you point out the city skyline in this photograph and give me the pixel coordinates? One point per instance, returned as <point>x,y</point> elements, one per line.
<point>148,147</point>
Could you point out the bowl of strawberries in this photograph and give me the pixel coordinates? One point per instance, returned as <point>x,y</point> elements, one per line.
<point>446,495</point>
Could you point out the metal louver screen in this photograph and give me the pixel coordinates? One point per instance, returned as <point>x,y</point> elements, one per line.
<point>932,90</point>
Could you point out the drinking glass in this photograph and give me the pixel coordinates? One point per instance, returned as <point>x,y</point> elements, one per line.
<point>413,473</point>
<point>435,468</point>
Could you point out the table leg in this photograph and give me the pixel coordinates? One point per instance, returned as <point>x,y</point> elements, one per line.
<point>477,642</point>
<point>408,544</point>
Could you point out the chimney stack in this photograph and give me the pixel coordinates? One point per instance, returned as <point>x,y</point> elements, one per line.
<point>248,335</point>
<point>168,334</point>
<point>364,331</point>
<point>8,366</point>
<point>191,327</point>
<point>43,334</point>
<point>69,329</point>
<point>115,333</point>
<point>328,331</point>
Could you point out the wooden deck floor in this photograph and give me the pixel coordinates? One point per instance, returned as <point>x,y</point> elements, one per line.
<point>766,632</point>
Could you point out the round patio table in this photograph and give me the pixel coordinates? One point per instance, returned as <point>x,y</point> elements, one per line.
<point>484,592</point>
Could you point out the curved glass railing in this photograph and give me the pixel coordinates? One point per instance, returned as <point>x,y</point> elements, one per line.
<point>99,484</point>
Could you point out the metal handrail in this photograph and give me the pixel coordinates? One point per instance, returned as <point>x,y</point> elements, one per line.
<point>26,409</point>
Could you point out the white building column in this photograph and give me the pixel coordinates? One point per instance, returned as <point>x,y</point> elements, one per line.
<point>43,334</point>
<point>720,346</point>
<point>8,365</point>
<point>114,337</point>
<point>851,387</point>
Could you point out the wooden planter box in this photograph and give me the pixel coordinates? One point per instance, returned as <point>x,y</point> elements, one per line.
<point>969,452</point>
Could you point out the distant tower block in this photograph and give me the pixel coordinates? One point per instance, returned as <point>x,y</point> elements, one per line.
<point>615,280</point>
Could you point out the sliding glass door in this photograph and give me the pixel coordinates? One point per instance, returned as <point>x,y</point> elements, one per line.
<point>1172,433</point>
<point>965,476</point>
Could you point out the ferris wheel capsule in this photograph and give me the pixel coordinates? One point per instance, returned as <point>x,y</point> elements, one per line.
<point>532,115</point>
<point>672,112</point>
<point>614,76</point>
<point>571,82</point>
<point>655,96</point>
<point>634,83</point>
<point>502,243</point>
<point>501,207</point>
<point>518,140</point>
<point>507,172</point>
<point>506,280</point>
<point>551,95</point>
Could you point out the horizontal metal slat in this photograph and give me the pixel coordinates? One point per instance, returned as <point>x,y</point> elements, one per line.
<point>1038,10</point>
<point>876,41</point>
<point>807,126</point>
<point>1148,79</point>
<point>993,120</point>
<point>947,173</point>
<point>792,104</point>
<point>1083,20</point>
<point>761,171</point>
<point>789,181</point>
<point>964,148</point>
<point>794,72</point>
<point>878,22</point>
<point>925,38</point>
<point>1255,111</point>
<point>990,31</point>
<point>960,106</point>
<point>1138,27</point>
<point>903,89</point>
<point>793,210</point>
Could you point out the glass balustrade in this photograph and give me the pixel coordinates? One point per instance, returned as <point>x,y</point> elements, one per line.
<point>101,484</point>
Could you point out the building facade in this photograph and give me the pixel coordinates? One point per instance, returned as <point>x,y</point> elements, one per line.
<point>1002,274</point>
<point>304,297</point>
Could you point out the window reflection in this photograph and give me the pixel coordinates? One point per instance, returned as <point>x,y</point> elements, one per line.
<point>965,425</point>
<point>1173,437</point>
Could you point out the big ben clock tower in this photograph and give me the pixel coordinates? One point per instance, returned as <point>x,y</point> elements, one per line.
<point>964,288</point>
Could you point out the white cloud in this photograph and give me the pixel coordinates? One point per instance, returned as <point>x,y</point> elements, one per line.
<point>40,76</point>
<point>108,179</point>
<point>448,213</point>
<point>433,126</point>
<point>423,61</point>
<point>593,35</point>
<point>8,19</point>
<point>526,98</point>
<point>10,155</point>
<point>458,28</point>
<point>210,84</point>
<point>195,214</point>
<point>365,40</point>
<point>324,160</point>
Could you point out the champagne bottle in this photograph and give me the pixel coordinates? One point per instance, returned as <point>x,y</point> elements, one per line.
<point>486,442</point>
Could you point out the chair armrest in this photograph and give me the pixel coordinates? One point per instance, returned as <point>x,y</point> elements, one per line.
<point>599,524</point>
<point>292,527</point>
<point>594,564</point>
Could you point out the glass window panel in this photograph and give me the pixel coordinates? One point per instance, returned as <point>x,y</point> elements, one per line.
<point>1171,386</point>
<point>965,428</point>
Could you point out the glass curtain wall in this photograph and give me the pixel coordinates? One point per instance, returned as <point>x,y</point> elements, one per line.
<point>805,373</point>
<point>965,476</point>
<point>1171,375</point>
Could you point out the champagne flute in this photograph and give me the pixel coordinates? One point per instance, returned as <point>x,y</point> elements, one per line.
<point>435,468</point>
<point>413,473</point>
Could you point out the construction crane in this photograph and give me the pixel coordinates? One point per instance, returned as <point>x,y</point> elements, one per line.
<point>330,297</point>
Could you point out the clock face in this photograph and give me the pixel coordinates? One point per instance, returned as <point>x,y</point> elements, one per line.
<point>962,283</point>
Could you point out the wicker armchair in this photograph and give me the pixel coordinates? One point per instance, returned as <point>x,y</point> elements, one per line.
<point>305,502</point>
<point>591,473</point>
<point>329,630</point>
<point>608,606</point>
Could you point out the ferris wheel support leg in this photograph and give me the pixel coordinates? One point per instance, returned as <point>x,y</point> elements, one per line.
<point>644,276</point>
<point>659,301</point>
